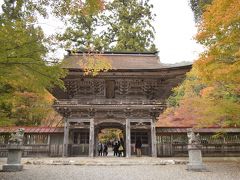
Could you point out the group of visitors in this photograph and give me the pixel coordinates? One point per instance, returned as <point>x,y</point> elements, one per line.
<point>102,149</point>
<point>118,148</point>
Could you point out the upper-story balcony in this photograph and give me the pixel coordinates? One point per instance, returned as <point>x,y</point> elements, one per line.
<point>85,101</point>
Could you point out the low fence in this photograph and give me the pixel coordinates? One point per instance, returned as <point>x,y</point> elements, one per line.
<point>36,150</point>
<point>168,145</point>
<point>176,145</point>
<point>168,150</point>
<point>36,144</point>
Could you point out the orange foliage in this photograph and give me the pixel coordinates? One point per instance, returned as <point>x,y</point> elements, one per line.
<point>207,91</point>
<point>210,94</point>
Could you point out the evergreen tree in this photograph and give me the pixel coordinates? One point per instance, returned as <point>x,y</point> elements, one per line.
<point>122,26</point>
<point>81,33</point>
<point>129,26</point>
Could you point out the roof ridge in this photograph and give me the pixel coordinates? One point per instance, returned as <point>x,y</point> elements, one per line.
<point>112,52</point>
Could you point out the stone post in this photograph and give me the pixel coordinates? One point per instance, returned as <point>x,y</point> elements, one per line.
<point>195,159</point>
<point>14,158</point>
<point>194,152</point>
<point>15,148</point>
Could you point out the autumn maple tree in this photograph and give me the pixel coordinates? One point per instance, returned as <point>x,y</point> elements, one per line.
<point>26,72</point>
<point>25,75</point>
<point>210,94</point>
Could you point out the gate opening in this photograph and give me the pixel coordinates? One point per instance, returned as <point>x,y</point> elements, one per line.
<point>110,143</point>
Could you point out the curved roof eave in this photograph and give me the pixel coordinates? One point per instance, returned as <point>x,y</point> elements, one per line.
<point>141,70</point>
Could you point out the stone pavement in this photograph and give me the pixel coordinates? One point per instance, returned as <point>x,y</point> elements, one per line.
<point>116,161</point>
<point>120,168</point>
<point>216,171</point>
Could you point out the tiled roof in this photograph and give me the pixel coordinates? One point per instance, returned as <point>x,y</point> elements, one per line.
<point>53,130</point>
<point>35,129</point>
<point>119,61</point>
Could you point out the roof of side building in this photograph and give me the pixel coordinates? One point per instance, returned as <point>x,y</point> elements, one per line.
<point>31,129</point>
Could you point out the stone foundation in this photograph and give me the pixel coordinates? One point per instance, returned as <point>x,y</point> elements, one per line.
<point>12,167</point>
<point>14,158</point>
<point>195,159</point>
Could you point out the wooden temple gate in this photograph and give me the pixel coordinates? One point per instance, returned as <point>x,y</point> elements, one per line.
<point>132,94</point>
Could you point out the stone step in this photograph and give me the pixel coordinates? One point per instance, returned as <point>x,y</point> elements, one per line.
<point>103,161</point>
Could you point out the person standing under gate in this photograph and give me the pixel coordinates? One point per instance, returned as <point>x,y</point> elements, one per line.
<point>115,148</point>
<point>138,147</point>
<point>121,148</point>
<point>100,149</point>
<point>105,149</point>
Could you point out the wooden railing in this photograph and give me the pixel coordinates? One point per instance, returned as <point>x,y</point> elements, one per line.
<point>108,101</point>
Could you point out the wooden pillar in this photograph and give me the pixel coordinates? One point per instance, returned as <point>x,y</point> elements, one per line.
<point>96,141</point>
<point>91,138</point>
<point>66,138</point>
<point>153,137</point>
<point>49,145</point>
<point>128,139</point>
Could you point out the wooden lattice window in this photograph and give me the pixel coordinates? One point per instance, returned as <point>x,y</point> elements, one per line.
<point>4,138</point>
<point>81,138</point>
<point>142,135</point>
<point>179,139</point>
<point>36,139</point>
<point>234,138</point>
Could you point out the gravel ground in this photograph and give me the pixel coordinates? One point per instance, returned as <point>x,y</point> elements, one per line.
<point>217,171</point>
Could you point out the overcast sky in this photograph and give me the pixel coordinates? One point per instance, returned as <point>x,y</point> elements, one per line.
<point>175,29</point>
<point>174,25</point>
